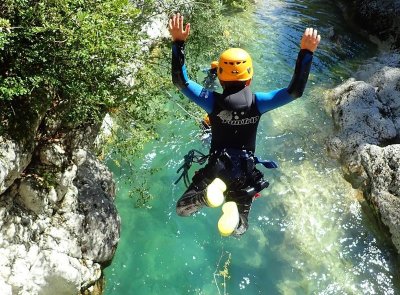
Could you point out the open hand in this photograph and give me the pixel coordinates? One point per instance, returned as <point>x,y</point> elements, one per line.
<point>178,33</point>
<point>310,39</point>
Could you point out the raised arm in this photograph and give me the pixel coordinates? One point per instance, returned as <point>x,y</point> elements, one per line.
<point>274,99</point>
<point>179,34</point>
<point>309,43</point>
<point>189,88</point>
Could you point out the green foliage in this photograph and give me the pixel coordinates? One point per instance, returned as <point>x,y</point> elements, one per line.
<point>48,179</point>
<point>4,31</point>
<point>76,51</point>
<point>141,192</point>
<point>237,4</point>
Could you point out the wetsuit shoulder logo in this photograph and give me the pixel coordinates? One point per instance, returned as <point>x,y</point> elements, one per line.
<point>225,115</point>
<point>234,118</point>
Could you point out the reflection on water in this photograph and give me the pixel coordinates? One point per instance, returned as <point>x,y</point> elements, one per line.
<point>308,233</point>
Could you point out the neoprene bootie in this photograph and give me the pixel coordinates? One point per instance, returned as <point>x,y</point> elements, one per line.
<point>229,219</point>
<point>215,193</point>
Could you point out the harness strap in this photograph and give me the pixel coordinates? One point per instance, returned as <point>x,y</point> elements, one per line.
<point>193,156</point>
<point>265,163</point>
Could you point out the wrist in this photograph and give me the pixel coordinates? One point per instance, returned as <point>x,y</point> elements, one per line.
<point>306,50</point>
<point>178,42</point>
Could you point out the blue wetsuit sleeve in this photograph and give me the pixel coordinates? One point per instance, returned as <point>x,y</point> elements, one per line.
<point>195,92</point>
<point>274,99</point>
<point>267,101</point>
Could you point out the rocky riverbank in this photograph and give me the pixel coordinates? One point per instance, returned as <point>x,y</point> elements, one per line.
<point>59,226</point>
<point>366,113</point>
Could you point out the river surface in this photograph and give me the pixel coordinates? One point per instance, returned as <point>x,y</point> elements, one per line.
<point>308,233</point>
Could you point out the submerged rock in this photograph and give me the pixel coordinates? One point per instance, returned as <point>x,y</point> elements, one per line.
<point>366,114</point>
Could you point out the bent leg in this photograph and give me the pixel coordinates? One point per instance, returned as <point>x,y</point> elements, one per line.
<point>191,201</point>
<point>194,197</point>
<point>255,183</point>
<point>244,206</point>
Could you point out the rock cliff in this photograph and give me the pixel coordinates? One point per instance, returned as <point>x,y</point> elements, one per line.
<point>366,114</point>
<point>58,223</point>
<point>59,226</point>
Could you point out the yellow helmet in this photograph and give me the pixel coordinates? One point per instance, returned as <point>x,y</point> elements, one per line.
<point>235,64</point>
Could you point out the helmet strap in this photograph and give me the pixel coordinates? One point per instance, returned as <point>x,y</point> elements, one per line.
<point>235,84</point>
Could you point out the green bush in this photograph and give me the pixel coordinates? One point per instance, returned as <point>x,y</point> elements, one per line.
<point>237,4</point>
<point>74,53</point>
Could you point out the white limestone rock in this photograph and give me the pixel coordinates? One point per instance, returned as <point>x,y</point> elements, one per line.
<point>65,181</point>
<point>101,220</point>
<point>382,166</point>
<point>55,240</point>
<point>12,162</point>
<point>360,115</point>
<point>31,197</point>
<point>5,288</point>
<point>367,136</point>
<point>79,156</point>
<point>52,154</point>
<point>106,131</point>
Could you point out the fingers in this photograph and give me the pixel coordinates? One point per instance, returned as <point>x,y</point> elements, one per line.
<point>310,39</point>
<point>180,22</point>
<point>176,28</point>
<point>187,29</point>
<point>176,21</point>
<point>170,24</point>
<point>312,34</point>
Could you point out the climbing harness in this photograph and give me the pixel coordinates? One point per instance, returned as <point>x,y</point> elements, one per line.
<point>265,163</point>
<point>225,156</point>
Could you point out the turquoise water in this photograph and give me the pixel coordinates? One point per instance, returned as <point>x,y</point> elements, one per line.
<point>308,233</point>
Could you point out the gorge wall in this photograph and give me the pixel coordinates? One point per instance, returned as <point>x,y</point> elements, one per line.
<point>366,114</point>
<point>59,226</point>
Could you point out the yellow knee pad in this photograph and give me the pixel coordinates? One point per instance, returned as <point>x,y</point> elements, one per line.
<point>229,219</point>
<point>215,193</point>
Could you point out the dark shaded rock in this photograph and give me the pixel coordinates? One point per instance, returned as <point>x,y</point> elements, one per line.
<point>96,191</point>
<point>380,18</point>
